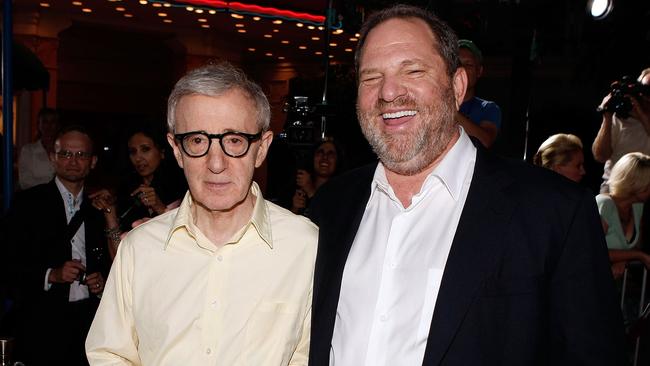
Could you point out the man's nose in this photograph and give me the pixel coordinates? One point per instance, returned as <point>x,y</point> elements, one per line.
<point>392,88</point>
<point>216,158</point>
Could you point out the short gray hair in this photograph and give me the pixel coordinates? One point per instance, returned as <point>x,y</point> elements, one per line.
<point>214,80</point>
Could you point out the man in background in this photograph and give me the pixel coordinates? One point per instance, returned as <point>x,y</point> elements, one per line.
<point>57,257</point>
<point>479,117</point>
<point>34,165</point>
<point>622,134</point>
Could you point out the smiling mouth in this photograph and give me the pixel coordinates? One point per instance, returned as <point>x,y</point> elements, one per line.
<point>399,114</point>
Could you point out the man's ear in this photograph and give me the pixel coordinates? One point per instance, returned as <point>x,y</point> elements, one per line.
<point>93,162</point>
<point>176,149</point>
<point>460,85</point>
<point>265,143</point>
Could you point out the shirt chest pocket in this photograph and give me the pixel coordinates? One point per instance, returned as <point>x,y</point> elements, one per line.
<point>272,332</point>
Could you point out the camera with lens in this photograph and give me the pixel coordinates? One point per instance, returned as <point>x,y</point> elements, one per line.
<point>301,129</point>
<point>620,91</point>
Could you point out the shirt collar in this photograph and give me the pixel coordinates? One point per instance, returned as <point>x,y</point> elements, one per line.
<point>260,219</point>
<point>64,192</point>
<point>450,171</point>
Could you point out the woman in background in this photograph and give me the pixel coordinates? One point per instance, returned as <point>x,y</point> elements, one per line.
<point>326,163</point>
<point>622,208</point>
<point>563,154</point>
<point>152,188</point>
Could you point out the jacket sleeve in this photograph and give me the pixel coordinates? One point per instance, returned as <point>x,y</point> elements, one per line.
<point>586,325</point>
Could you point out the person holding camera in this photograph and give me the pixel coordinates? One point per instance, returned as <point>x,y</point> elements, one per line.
<point>625,126</point>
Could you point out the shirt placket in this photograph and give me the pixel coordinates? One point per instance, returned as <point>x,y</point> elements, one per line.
<point>383,321</point>
<point>212,317</point>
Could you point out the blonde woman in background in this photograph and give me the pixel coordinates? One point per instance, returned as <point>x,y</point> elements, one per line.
<point>621,210</point>
<point>563,154</point>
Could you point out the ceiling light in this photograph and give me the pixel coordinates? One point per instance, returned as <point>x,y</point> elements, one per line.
<point>333,44</point>
<point>302,47</point>
<point>338,31</point>
<point>299,25</point>
<point>311,27</point>
<point>205,25</point>
<point>275,31</point>
<point>167,5</point>
<point>315,38</point>
<point>143,2</point>
<point>280,57</point>
<point>268,36</point>
<point>239,25</point>
<point>202,20</point>
<point>87,10</point>
<point>354,39</point>
<point>77,3</point>
<point>269,54</point>
<point>167,21</point>
<point>348,50</point>
<point>251,49</point>
<point>318,53</point>
<point>284,42</point>
<point>189,8</point>
<point>277,21</point>
<point>212,11</point>
<point>256,18</point>
<point>127,15</point>
<point>600,9</point>
<point>199,11</point>
<point>45,5</point>
<point>157,5</point>
<point>162,14</point>
<point>119,8</point>
<point>320,27</point>
<point>241,30</point>
<point>331,56</point>
<point>237,16</point>
<point>357,35</point>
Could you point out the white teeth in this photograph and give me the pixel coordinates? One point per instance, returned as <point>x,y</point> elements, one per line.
<point>399,114</point>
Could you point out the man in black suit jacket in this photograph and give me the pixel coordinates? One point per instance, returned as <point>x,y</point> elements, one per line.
<point>443,254</point>
<point>57,258</point>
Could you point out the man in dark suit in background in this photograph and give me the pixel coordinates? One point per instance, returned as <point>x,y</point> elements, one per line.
<point>57,258</point>
<point>442,254</point>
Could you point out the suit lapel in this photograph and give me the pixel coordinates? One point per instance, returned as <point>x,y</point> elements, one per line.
<point>474,252</point>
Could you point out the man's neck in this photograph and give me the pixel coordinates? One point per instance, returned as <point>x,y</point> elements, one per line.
<point>220,226</point>
<point>72,187</point>
<point>407,186</point>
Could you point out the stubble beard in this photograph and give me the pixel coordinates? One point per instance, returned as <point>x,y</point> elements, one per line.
<point>411,151</point>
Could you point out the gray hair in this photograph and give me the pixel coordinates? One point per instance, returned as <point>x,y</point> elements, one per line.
<point>214,80</point>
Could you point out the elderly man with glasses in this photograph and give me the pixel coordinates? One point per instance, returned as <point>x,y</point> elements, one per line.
<point>225,278</point>
<point>57,257</point>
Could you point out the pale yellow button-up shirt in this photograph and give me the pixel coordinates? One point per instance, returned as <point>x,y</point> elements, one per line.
<point>173,298</point>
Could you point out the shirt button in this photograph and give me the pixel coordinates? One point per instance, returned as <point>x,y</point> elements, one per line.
<point>220,258</point>
<point>213,304</point>
<point>393,265</point>
<point>208,351</point>
<point>383,318</point>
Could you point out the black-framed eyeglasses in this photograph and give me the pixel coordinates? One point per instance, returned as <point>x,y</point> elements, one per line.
<point>68,155</point>
<point>234,144</point>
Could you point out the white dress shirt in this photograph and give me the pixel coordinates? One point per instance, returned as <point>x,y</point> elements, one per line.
<point>393,272</point>
<point>72,204</point>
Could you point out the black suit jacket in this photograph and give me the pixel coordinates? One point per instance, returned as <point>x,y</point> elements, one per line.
<point>527,280</point>
<point>34,239</point>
